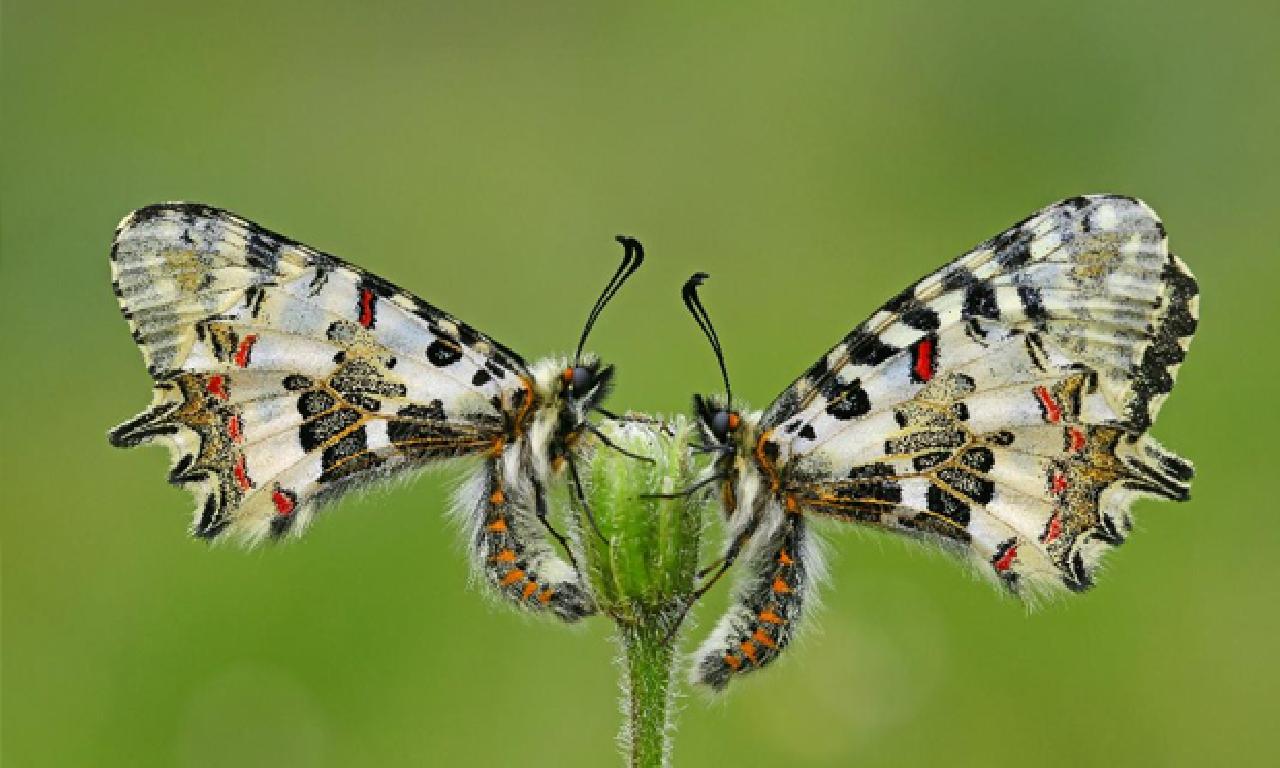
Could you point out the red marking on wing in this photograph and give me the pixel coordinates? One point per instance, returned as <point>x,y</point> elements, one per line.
<point>216,386</point>
<point>1058,482</point>
<point>1054,529</point>
<point>924,364</point>
<point>233,428</point>
<point>1005,561</point>
<point>1052,411</point>
<point>366,307</point>
<point>1075,439</point>
<point>242,476</point>
<point>242,352</point>
<point>283,501</point>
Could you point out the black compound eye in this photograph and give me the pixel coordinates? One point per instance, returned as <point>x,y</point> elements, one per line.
<point>720,424</point>
<point>581,379</point>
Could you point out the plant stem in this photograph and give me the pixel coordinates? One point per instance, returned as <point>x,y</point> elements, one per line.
<point>648,654</point>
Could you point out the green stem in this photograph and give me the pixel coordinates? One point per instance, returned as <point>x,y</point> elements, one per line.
<point>648,654</point>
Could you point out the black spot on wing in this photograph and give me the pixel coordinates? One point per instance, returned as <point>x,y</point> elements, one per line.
<point>321,429</point>
<point>1012,248</point>
<point>296,381</point>
<point>347,456</point>
<point>928,460</point>
<point>942,503</point>
<point>847,400</point>
<point>868,349</point>
<point>901,302</point>
<point>980,459</point>
<point>315,402</point>
<point>967,484</point>
<point>262,251</point>
<point>442,354</point>
<point>921,318</point>
<point>980,301</point>
<point>433,411</point>
<point>481,378</point>
<point>956,277</point>
<point>213,517</point>
<point>1033,304</point>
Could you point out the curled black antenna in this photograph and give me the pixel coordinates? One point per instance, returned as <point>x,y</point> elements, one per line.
<point>632,258</point>
<point>690,295</point>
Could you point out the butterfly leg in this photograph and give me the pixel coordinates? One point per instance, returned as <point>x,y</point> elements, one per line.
<point>514,556</point>
<point>766,606</point>
<point>722,564</point>
<point>540,508</point>
<point>582,499</point>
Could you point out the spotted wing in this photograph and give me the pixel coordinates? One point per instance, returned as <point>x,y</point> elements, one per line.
<point>1001,404</point>
<point>284,376</point>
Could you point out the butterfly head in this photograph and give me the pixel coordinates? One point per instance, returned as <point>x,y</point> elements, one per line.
<point>584,384</point>
<point>720,425</point>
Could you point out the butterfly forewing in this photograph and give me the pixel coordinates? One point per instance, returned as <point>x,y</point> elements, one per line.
<point>284,375</point>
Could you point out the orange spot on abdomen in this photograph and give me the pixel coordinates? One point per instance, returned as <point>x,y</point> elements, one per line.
<point>762,638</point>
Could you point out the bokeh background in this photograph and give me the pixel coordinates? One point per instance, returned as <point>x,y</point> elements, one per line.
<point>815,160</point>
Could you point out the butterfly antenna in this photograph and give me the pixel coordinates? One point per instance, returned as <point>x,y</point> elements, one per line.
<point>691,300</point>
<point>632,258</point>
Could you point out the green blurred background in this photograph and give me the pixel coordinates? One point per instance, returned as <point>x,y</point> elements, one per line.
<point>815,160</point>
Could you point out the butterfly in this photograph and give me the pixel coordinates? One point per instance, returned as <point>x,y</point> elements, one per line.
<point>998,407</point>
<point>285,377</point>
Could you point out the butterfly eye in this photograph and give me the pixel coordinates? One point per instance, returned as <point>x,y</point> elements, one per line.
<point>722,422</point>
<point>580,378</point>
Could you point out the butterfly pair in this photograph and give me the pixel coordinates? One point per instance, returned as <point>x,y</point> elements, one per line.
<point>998,407</point>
